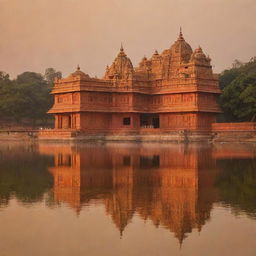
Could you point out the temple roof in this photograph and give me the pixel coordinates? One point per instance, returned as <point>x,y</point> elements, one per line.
<point>181,48</point>
<point>156,55</point>
<point>121,67</point>
<point>79,73</point>
<point>199,56</point>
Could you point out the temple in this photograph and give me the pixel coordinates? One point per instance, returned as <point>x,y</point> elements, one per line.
<point>174,90</point>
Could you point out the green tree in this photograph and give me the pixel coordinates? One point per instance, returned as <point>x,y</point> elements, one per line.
<point>51,74</point>
<point>4,76</point>
<point>25,98</point>
<point>36,92</point>
<point>238,84</point>
<point>11,100</point>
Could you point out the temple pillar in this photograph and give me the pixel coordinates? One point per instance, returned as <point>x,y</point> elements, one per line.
<point>56,121</point>
<point>66,121</point>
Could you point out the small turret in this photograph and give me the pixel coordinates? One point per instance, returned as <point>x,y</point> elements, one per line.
<point>181,51</point>
<point>121,68</point>
<point>199,57</point>
<point>144,64</point>
<point>156,55</point>
<point>79,73</point>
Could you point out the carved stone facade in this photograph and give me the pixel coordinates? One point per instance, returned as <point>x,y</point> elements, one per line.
<point>174,90</point>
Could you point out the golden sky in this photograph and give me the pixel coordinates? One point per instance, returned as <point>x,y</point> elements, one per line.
<point>36,34</point>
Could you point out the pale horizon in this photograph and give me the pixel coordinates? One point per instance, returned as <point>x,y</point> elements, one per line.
<point>37,34</point>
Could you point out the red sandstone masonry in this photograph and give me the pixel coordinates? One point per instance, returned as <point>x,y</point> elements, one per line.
<point>50,133</point>
<point>226,127</point>
<point>224,132</point>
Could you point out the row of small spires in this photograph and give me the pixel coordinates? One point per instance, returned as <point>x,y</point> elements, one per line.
<point>144,58</point>
<point>155,53</point>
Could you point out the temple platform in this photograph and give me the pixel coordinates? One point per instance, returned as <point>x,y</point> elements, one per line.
<point>220,132</point>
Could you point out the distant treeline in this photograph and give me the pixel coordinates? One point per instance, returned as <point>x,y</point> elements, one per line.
<point>238,85</point>
<point>26,99</point>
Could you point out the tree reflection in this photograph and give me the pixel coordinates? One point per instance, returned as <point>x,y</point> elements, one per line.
<point>237,185</point>
<point>23,174</point>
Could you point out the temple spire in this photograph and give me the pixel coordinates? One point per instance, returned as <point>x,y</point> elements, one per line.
<point>121,53</point>
<point>181,35</point>
<point>122,48</point>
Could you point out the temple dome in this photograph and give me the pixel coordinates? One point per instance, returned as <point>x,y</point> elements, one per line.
<point>156,56</point>
<point>181,49</point>
<point>144,59</point>
<point>199,56</point>
<point>79,73</point>
<point>143,62</point>
<point>121,67</point>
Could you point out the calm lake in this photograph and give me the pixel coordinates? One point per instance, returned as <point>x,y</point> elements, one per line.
<point>127,199</point>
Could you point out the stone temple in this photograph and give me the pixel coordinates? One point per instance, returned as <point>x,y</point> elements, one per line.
<point>173,90</point>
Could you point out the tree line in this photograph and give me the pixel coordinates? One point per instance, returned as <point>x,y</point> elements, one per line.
<point>238,85</point>
<point>26,99</point>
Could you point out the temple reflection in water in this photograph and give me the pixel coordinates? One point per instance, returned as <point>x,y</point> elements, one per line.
<point>171,186</point>
<point>153,196</point>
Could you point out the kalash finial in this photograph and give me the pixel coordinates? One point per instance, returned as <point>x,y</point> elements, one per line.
<point>122,48</point>
<point>121,53</point>
<point>181,34</point>
<point>78,68</point>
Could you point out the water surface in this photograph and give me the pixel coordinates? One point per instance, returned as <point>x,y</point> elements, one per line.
<point>127,199</point>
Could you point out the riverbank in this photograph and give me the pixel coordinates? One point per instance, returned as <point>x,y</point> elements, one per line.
<point>176,137</point>
<point>18,135</point>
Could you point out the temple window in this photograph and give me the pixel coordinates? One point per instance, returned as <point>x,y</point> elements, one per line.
<point>64,160</point>
<point>59,99</point>
<point>150,161</point>
<point>126,160</point>
<point>126,121</point>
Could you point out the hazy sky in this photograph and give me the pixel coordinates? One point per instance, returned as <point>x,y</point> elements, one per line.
<point>36,34</point>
